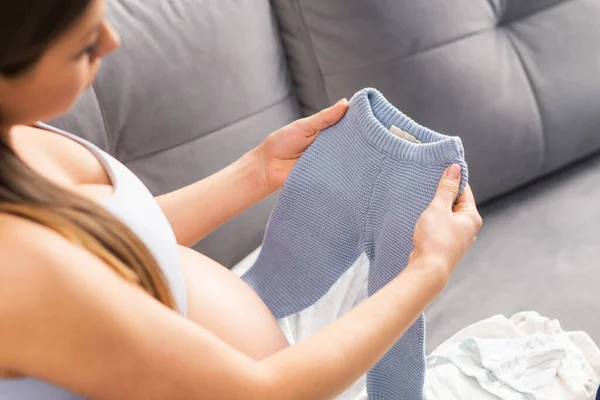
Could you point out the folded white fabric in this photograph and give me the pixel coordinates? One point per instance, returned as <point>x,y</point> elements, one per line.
<point>525,357</point>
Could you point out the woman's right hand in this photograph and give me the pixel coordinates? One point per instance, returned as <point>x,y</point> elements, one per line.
<point>446,229</point>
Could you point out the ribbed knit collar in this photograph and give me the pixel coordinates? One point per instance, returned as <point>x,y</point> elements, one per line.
<point>374,115</point>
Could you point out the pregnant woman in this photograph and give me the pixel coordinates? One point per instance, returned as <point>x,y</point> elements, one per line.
<point>102,297</point>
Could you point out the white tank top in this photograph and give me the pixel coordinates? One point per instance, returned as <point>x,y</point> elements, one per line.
<point>134,205</point>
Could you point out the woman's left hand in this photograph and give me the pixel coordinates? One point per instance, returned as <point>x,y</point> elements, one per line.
<point>281,149</point>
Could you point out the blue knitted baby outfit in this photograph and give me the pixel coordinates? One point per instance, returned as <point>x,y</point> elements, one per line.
<point>357,188</point>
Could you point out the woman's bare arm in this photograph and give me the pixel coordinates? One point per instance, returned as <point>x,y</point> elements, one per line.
<point>196,210</point>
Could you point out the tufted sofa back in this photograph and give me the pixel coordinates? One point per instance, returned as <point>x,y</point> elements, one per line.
<point>518,80</point>
<point>199,82</point>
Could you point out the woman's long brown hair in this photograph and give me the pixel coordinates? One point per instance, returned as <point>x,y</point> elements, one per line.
<point>28,28</point>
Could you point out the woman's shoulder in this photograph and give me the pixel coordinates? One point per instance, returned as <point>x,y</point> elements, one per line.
<point>58,158</point>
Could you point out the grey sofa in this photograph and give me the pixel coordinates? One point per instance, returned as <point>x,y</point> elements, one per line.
<point>197,83</point>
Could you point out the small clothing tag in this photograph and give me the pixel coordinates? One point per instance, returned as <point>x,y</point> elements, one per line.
<point>404,135</point>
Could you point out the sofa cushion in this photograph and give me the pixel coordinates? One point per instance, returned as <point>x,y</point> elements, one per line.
<point>194,86</point>
<point>518,80</point>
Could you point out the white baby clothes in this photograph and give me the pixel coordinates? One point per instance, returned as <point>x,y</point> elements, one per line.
<point>526,357</point>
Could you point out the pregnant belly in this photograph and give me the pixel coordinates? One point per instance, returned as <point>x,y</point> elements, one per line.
<point>222,303</point>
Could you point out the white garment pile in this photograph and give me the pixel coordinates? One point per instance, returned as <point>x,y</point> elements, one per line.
<point>526,357</point>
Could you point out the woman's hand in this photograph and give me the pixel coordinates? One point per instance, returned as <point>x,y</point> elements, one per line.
<point>447,229</point>
<point>280,151</point>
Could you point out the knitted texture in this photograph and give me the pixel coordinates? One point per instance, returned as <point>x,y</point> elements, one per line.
<point>357,188</point>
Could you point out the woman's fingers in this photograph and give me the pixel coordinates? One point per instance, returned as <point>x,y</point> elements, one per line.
<point>466,205</point>
<point>323,119</point>
<point>448,187</point>
<point>466,196</point>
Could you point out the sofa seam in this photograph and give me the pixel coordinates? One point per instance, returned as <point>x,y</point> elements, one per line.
<point>402,58</point>
<point>234,122</point>
<point>536,12</point>
<point>101,108</point>
<point>286,57</point>
<point>535,95</point>
<point>311,45</point>
<point>497,13</point>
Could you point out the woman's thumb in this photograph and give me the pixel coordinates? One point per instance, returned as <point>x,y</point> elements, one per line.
<point>449,185</point>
